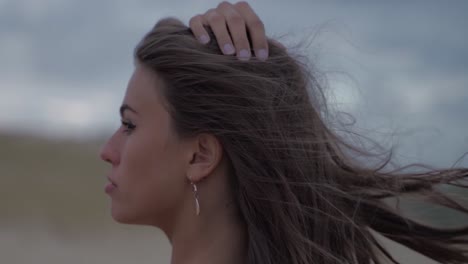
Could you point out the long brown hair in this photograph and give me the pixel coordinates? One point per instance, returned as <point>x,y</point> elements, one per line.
<point>303,194</point>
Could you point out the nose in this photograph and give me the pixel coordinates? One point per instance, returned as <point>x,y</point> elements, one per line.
<point>109,153</point>
<point>104,154</point>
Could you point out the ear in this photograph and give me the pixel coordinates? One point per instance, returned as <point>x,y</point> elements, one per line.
<point>206,155</point>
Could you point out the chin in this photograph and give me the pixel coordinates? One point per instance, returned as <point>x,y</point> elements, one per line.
<point>123,216</point>
<point>129,217</point>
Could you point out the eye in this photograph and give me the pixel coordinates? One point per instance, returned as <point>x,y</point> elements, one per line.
<point>128,126</point>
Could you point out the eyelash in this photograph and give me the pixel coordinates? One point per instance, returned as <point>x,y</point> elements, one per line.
<point>129,126</point>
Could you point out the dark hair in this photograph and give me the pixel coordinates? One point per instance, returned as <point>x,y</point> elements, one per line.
<point>303,196</point>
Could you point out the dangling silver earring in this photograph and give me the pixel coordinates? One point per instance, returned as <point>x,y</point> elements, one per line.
<point>195,194</point>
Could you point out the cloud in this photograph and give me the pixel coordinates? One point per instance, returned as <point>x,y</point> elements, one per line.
<point>65,114</point>
<point>408,60</point>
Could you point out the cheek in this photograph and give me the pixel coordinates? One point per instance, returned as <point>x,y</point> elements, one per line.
<point>150,182</point>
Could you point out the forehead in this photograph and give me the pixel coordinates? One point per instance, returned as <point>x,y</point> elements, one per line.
<point>142,89</point>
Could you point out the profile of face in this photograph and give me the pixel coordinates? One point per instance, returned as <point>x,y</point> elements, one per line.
<point>146,157</point>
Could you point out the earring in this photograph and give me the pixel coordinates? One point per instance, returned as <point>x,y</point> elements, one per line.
<point>195,195</point>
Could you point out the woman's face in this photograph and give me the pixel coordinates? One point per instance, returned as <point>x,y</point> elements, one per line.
<point>147,160</point>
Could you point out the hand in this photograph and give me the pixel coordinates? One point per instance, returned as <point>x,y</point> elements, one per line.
<point>239,18</point>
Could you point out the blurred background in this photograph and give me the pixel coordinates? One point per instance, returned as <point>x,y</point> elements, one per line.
<point>400,68</point>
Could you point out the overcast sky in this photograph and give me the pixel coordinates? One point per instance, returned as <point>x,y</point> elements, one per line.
<point>64,64</point>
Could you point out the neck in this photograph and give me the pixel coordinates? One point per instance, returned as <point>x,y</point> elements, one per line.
<point>216,237</point>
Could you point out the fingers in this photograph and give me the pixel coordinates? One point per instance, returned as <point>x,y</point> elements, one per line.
<point>196,24</point>
<point>237,29</point>
<point>256,29</point>
<point>217,22</point>
<point>231,25</point>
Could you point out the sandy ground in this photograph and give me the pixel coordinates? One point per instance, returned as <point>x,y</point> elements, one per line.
<point>112,245</point>
<point>53,210</point>
<point>38,245</point>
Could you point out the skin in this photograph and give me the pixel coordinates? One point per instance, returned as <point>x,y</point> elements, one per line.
<point>239,18</point>
<point>152,169</point>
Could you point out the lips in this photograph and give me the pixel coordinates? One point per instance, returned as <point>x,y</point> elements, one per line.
<point>111,186</point>
<point>111,181</point>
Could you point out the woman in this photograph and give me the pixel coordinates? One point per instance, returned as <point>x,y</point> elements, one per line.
<point>233,158</point>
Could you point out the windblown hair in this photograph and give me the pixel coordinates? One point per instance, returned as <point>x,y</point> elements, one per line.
<point>303,195</point>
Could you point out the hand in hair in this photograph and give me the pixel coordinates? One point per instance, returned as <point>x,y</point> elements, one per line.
<point>237,28</point>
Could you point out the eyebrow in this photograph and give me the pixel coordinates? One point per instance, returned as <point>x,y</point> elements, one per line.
<point>125,107</point>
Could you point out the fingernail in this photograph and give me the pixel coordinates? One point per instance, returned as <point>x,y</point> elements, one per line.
<point>204,39</point>
<point>228,49</point>
<point>244,54</point>
<point>262,54</point>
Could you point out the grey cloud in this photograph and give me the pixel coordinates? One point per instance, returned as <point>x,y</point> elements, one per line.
<point>75,49</point>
